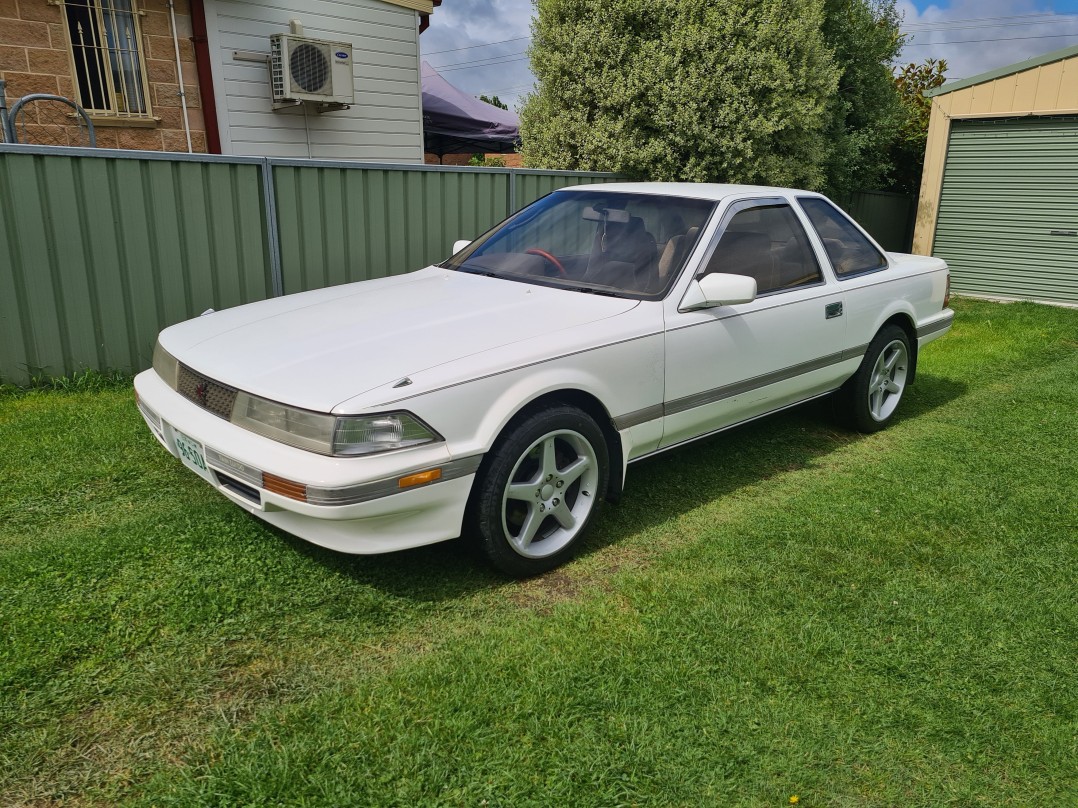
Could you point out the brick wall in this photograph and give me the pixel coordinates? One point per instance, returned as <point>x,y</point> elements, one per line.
<point>512,159</point>
<point>35,57</point>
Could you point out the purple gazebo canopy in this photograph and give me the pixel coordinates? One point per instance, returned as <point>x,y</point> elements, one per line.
<point>454,121</point>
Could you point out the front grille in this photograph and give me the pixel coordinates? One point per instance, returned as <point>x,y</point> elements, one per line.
<point>206,393</point>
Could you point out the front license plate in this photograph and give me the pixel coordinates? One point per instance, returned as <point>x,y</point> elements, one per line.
<point>192,455</point>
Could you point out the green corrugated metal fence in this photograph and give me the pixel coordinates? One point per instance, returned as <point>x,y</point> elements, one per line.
<point>1008,211</point>
<point>339,223</point>
<point>97,254</point>
<point>889,217</point>
<point>100,250</point>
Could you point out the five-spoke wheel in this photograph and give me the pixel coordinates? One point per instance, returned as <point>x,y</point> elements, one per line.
<point>888,380</point>
<point>868,401</point>
<point>539,489</point>
<point>550,493</point>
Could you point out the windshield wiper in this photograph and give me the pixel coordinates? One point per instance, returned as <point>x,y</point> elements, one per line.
<point>593,290</point>
<point>486,273</point>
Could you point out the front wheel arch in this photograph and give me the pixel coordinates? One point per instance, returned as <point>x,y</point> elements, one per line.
<point>596,410</point>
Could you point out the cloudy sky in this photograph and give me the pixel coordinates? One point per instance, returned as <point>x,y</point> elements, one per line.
<point>479,45</point>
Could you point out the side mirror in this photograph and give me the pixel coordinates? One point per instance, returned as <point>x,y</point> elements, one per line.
<point>719,289</point>
<point>460,245</point>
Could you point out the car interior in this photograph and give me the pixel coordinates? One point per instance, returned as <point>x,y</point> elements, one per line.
<point>849,251</point>
<point>766,243</point>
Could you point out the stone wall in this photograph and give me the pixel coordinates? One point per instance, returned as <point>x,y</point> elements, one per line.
<point>35,57</point>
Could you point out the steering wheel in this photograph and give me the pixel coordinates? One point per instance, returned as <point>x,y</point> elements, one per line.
<point>544,254</point>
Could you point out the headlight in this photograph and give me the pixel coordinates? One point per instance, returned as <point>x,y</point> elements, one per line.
<point>166,366</point>
<point>307,430</point>
<point>367,434</point>
<point>327,434</point>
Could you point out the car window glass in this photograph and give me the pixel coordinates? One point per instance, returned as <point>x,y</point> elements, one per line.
<point>850,252</point>
<point>769,244</point>
<point>634,244</point>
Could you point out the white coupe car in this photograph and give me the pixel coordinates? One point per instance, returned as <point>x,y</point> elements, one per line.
<point>504,393</point>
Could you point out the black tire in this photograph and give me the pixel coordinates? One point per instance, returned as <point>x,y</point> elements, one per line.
<point>868,401</point>
<point>526,491</point>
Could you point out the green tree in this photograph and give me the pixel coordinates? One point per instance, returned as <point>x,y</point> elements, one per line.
<point>908,150</point>
<point>494,101</point>
<point>865,113</point>
<point>480,159</point>
<point>699,90</point>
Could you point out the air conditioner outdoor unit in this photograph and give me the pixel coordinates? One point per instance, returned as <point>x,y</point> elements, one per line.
<point>311,70</point>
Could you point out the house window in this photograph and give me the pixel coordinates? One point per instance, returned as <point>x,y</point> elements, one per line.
<point>105,45</point>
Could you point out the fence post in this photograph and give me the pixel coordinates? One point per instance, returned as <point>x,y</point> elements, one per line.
<point>512,191</point>
<point>269,200</point>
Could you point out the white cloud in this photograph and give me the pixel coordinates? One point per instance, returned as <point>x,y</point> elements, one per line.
<point>1030,29</point>
<point>495,69</point>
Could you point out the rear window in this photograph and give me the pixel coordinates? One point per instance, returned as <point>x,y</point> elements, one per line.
<point>850,252</point>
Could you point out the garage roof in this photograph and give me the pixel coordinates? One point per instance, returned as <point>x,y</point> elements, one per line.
<point>1000,72</point>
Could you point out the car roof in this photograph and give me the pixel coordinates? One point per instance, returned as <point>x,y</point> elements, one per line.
<point>696,190</point>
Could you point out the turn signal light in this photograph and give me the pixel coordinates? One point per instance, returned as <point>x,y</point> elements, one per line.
<point>947,294</point>
<point>420,478</point>
<point>286,488</point>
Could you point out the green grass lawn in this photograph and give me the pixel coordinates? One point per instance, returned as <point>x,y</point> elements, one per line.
<point>788,609</point>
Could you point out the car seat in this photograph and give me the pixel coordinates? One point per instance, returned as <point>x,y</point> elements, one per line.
<point>677,248</point>
<point>622,256</point>
<point>746,253</point>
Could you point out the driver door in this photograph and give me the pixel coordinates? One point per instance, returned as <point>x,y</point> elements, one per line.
<point>732,363</point>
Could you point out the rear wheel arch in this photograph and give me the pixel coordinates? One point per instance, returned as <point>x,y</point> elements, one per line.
<point>906,323</point>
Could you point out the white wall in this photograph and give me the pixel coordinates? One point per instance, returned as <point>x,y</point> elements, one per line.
<point>383,125</point>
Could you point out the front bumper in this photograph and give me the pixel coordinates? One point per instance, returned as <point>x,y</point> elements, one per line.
<point>369,514</point>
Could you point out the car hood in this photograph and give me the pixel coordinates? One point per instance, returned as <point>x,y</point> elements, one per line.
<point>318,349</point>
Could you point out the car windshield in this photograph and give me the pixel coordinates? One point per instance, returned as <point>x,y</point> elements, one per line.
<point>631,245</point>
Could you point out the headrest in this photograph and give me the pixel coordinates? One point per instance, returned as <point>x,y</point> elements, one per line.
<point>628,242</point>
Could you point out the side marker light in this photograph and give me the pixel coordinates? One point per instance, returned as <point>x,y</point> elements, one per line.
<point>420,478</point>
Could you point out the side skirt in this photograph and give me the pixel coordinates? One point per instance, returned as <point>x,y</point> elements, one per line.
<point>729,426</point>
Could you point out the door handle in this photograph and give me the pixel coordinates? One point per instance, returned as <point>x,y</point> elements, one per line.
<point>832,310</point>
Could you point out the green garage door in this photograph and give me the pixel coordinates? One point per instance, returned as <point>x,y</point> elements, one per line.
<point>1008,216</point>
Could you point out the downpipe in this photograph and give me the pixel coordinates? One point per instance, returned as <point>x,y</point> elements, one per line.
<point>179,75</point>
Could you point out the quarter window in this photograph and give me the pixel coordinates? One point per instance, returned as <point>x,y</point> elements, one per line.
<point>105,46</point>
<point>768,243</point>
<point>850,252</point>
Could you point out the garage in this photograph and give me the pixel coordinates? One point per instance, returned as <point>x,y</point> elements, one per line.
<point>998,199</point>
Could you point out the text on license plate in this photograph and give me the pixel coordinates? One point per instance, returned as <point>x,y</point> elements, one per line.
<point>191,454</point>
